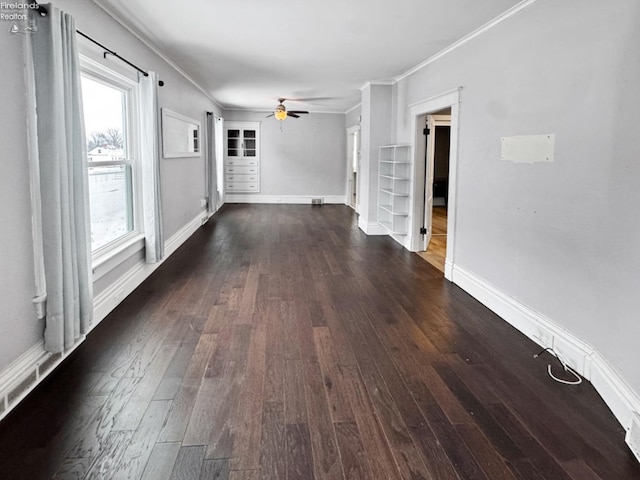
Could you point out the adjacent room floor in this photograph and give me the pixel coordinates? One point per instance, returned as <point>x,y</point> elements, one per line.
<point>436,252</point>
<point>280,342</point>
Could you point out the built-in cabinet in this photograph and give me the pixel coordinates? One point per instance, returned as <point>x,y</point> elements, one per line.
<point>393,191</point>
<point>242,157</point>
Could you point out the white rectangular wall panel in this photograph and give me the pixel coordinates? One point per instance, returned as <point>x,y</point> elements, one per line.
<point>528,148</point>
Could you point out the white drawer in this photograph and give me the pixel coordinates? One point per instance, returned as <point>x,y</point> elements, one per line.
<point>242,187</point>
<point>241,178</point>
<point>240,170</point>
<point>242,162</point>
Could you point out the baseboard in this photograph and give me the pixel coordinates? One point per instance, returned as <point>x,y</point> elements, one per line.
<point>286,199</point>
<point>614,390</point>
<point>28,370</point>
<point>18,371</point>
<point>621,399</point>
<point>371,228</point>
<point>111,296</point>
<point>181,236</point>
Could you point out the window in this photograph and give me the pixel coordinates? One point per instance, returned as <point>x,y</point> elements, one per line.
<point>109,115</point>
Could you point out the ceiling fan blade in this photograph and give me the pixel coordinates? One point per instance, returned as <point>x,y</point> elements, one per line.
<point>270,115</point>
<point>292,114</point>
<point>307,99</point>
<point>297,111</point>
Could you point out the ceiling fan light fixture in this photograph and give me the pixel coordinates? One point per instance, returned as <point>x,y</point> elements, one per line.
<point>280,114</point>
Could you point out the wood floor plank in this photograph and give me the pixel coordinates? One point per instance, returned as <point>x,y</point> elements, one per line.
<point>374,441</point>
<point>488,424</point>
<point>405,453</point>
<point>245,454</point>
<point>131,415</point>
<point>244,474</point>
<point>273,458</point>
<point>579,470</point>
<point>333,377</point>
<point>354,461</point>
<point>137,454</point>
<point>215,470</point>
<point>489,460</point>
<point>299,458</point>
<point>95,435</point>
<point>174,428</point>
<point>280,342</point>
<point>447,401</point>
<point>109,456</point>
<point>540,458</point>
<point>175,372</point>
<point>188,464</point>
<point>161,461</point>
<point>295,398</point>
<point>326,456</point>
<point>443,450</point>
<point>376,352</point>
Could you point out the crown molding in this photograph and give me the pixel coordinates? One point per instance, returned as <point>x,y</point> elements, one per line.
<point>458,43</point>
<point>357,105</point>
<point>157,51</point>
<point>378,83</point>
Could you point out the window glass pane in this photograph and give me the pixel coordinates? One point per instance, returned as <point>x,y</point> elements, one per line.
<point>104,120</point>
<point>110,203</point>
<point>110,186</point>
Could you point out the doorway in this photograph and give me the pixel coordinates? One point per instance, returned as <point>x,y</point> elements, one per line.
<point>353,164</point>
<point>422,188</point>
<point>437,136</point>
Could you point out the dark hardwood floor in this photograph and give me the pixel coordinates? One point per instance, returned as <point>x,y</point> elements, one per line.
<point>280,342</point>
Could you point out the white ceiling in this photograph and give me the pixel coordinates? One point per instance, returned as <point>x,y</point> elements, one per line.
<point>247,53</point>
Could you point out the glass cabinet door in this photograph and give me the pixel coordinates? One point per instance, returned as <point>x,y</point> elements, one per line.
<point>234,144</point>
<point>249,143</point>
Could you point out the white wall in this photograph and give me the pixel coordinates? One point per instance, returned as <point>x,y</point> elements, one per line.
<point>182,179</point>
<point>559,238</point>
<point>20,328</point>
<point>375,130</point>
<point>353,116</point>
<point>307,158</point>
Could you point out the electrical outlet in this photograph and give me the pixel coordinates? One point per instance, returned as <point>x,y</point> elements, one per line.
<point>117,297</point>
<point>633,435</point>
<point>203,203</point>
<point>545,337</point>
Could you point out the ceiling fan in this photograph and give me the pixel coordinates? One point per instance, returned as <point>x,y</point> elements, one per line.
<point>281,112</point>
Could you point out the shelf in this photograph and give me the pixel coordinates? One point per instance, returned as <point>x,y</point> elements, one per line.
<point>389,208</point>
<point>393,189</point>
<point>391,192</point>
<point>389,227</point>
<point>395,178</point>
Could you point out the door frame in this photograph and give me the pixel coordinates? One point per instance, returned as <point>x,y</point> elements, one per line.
<point>353,136</point>
<point>418,112</point>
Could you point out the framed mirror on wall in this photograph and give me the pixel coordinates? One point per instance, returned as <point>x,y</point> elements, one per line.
<point>181,136</point>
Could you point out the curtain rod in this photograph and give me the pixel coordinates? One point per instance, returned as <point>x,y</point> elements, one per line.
<point>111,52</point>
<point>43,12</point>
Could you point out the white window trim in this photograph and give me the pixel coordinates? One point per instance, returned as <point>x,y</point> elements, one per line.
<point>100,73</point>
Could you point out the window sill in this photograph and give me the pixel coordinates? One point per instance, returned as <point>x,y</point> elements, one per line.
<point>110,259</point>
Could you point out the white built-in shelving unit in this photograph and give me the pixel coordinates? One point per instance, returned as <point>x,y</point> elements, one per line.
<point>393,190</point>
<point>242,157</point>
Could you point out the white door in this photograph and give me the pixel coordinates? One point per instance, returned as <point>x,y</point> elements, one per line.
<point>428,186</point>
<point>433,121</point>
